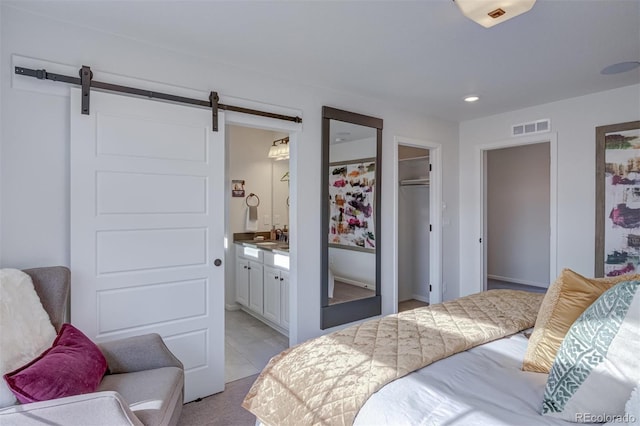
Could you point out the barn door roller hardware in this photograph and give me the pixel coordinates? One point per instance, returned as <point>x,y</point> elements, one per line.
<point>86,83</point>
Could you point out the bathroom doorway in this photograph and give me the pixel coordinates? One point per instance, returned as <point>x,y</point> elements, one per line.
<point>418,218</point>
<point>257,279</point>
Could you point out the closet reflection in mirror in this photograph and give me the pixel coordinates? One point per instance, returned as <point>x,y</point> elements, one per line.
<point>351,164</point>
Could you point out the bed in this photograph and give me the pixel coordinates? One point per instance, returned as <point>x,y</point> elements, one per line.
<point>456,363</point>
<point>482,386</point>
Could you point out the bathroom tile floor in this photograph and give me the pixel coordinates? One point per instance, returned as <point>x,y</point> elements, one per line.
<point>249,345</point>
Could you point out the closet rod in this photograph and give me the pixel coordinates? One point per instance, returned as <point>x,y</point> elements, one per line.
<point>86,82</point>
<point>414,182</point>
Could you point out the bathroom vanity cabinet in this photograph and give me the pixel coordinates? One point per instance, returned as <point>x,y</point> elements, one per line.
<point>262,285</point>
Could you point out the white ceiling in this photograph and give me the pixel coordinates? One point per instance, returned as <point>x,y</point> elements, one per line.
<point>420,55</point>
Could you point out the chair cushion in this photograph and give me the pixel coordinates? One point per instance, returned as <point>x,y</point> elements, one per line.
<point>72,366</point>
<point>597,365</point>
<point>564,302</point>
<point>26,328</point>
<point>152,394</point>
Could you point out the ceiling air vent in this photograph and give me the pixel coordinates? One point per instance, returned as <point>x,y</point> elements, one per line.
<point>539,126</point>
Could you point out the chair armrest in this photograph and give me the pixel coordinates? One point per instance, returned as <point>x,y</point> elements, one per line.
<point>138,353</point>
<point>97,409</point>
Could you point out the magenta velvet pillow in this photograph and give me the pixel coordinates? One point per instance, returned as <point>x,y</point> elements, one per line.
<point>73,365</point>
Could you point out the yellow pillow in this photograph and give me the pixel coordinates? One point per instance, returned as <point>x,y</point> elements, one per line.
<point>565,300</point>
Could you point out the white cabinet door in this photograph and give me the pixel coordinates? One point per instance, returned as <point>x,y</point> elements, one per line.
<point>272,294</point>
<point>284,299</point>
<point>242,281</point>
<point>256,287</point>
<point>147,222</point>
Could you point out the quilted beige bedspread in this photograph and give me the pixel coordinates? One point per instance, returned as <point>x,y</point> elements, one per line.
<point>326,380</point>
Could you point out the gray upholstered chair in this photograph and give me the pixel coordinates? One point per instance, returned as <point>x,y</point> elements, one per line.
<point>144,383</point>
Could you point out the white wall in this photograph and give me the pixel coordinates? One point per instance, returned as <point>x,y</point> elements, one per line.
<point>35,158</point>
<point>280,193</point>
<point>248,161</point>
<point>574,120</point>
<point>413,242</point>
<point>518,228</point>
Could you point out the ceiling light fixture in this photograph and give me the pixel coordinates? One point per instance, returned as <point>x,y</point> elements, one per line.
<point>471,98</point>
<point>491,12</point>
<point>280,149</point>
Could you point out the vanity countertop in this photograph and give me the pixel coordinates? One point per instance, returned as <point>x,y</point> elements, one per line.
<point>269,245</point>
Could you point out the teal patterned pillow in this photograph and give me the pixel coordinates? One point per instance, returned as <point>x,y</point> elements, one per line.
<point>597,365</point>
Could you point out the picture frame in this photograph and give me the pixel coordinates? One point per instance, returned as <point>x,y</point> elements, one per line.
<point>352,189</point>
<point>617,233</point>
<point>237,188</point>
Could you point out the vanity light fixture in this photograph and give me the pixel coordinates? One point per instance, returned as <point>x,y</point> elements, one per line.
<point>280,149</point>
<point>471,98</point>
<point>491,12</point>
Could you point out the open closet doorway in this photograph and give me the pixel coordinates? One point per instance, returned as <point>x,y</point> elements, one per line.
<point>517,249</point>
<point>257,311</point>
<point>418,242</point>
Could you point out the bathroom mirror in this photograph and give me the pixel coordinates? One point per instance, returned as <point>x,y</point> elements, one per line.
<point>350,266</point>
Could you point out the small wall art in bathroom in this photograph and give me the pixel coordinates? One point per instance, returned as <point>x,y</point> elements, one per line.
<point>237,188</point>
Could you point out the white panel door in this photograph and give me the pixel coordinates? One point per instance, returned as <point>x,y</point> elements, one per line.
<point>147,223</point>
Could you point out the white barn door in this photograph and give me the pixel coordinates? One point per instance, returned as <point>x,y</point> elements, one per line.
<point>147,223</point>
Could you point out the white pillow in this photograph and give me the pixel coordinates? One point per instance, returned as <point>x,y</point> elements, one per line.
<point>597,365</point>
<point>632,409</point>
<point>631,412</point>
<point>26,327</point>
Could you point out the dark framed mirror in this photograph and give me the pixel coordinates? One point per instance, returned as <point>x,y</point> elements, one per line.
<point>351,178</point>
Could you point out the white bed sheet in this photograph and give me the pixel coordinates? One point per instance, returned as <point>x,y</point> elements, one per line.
<point>482,386</point>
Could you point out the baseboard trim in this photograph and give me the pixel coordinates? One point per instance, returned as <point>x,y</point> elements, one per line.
<point>233,307</point>
<point>517,281</point>
<point>353,282</point>
<point>420,298</point>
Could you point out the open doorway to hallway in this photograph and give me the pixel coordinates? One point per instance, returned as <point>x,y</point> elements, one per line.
<point>517,205</point>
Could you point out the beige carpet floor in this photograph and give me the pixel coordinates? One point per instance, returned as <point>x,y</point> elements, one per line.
<point>343,292</point>
<point>221,409</point>
<point>407,305</point>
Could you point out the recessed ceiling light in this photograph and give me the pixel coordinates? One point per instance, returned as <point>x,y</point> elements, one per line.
<point>620,67</point>
<point>471,98</point>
